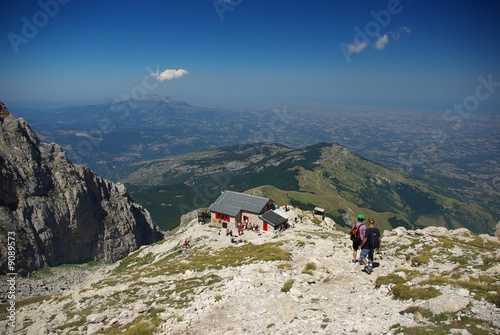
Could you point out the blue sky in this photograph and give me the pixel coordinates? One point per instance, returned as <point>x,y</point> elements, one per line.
<point>382,54</point>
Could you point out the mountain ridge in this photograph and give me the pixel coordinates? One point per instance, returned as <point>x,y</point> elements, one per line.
<point>121,132</point>
<point>307,177</point>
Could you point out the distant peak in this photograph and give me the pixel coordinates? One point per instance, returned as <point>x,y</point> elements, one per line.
<point>151,97</point>
<point>157,98</point>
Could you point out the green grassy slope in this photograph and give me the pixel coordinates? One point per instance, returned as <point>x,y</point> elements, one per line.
<point>325,175</point>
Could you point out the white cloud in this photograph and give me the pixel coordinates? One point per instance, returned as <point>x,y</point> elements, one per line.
<point>357,46</point>
<point>382,42</point>
<point>169,74</point>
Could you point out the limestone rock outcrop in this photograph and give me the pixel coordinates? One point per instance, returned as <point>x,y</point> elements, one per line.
<point>54,212</point>
<point>219,287</point>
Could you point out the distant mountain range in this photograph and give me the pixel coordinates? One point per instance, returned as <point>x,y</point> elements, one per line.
<point>452,158</point>
<point>115,133</point>
<point>325,175</point>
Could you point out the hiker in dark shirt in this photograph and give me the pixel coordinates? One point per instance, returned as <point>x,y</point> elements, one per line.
<point>370,242</point>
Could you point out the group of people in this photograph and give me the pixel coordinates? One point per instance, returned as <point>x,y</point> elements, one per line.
<point>229,232</point>
<point>279,229</point>
<point>366,240</point>
<point>241,228</point>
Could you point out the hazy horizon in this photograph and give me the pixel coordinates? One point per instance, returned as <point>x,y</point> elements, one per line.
<point>408,55</point>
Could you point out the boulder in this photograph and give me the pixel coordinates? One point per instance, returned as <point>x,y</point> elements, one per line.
<point>329,223</point>
<point>446,303</point>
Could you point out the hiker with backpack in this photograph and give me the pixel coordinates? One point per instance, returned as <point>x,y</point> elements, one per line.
<point>357,233</point>
<point>370,242</point>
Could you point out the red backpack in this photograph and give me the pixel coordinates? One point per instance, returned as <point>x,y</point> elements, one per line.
<point>354,232</point>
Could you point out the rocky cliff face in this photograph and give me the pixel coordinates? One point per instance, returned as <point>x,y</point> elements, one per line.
<point>57,212</point>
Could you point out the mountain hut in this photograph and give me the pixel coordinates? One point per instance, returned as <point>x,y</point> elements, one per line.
<point>232,208</point>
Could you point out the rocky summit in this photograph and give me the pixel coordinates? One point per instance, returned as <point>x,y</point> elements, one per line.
<point>298,281</point>
<point>53,212</point>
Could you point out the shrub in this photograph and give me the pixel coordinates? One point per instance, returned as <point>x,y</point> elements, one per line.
<point>420,260</point>
<point>284,266</point>
<point>288,285</point>
<point>309,268</point>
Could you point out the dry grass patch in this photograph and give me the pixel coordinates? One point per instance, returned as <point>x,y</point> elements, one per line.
<point>287,286</point>
<point>420,260</point>
<point>443,324</point>
<point>146,324</point>
<point>309,268</point>
<point>481,289</point>
<point>402,291</point>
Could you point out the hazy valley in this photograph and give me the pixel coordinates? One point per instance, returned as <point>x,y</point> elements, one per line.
<point>451,156</point>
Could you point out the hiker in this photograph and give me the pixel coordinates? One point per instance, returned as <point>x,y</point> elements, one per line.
<point>357,233</point>
<point>186,243</point>
<point>370,242</point>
